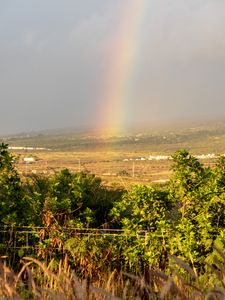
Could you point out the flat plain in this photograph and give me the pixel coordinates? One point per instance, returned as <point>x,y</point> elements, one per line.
<point>130,158</point>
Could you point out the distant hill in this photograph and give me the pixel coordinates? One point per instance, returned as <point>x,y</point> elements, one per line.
<point>204,137</point>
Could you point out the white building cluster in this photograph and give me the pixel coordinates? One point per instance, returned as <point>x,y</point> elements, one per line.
<point>205,156</point>
<point>159,157</point>
<point>166,157</point>
<point>26,148</point>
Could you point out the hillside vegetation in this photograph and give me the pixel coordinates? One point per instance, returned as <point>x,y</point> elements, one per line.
<point>206,137</point>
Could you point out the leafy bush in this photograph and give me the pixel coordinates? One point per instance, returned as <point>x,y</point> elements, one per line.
<point>185,217</point>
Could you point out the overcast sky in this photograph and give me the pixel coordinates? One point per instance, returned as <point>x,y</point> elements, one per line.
<point>55,56</point>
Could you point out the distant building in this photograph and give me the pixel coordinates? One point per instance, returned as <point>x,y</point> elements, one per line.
<point>29,159</point>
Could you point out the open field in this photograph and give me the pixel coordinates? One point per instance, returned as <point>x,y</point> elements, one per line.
<point>123,159</point>
<point>118,168</point>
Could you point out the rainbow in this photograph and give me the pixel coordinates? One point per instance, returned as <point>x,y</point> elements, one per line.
<point>117,92</point>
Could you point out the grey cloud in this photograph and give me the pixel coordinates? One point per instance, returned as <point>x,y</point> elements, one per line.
<point>55,56</point>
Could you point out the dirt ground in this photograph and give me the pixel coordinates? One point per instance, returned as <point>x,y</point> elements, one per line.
<point>120,168</point>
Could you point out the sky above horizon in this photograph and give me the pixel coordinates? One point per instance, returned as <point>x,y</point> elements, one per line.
<point>69,63</point>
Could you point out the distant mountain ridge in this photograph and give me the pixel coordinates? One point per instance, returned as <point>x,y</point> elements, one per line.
<point>210,135</point>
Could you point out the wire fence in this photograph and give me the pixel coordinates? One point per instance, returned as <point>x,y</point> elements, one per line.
<point>13,238</point>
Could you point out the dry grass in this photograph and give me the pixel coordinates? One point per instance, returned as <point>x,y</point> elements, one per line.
<point>58,280</point>
<point>108,165</point>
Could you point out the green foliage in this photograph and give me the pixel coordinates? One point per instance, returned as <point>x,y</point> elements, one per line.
<point>185,217</point>
<point>143,215</point>
<point>141,208</point>
<point>77,199</point>
<point>198,194</point>
<point>14,206</point>
<point>36,189</point>
<point>92,254</point>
